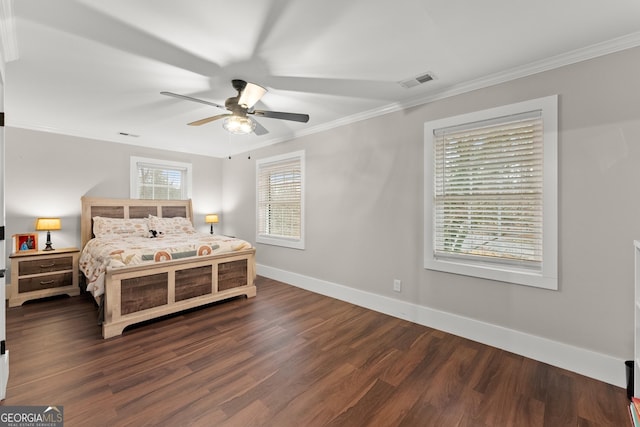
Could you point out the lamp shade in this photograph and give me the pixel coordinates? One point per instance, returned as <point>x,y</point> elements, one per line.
<point>48,224</point>
<point>211,219</point>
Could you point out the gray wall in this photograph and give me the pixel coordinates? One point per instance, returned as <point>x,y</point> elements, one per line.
<point>364,200</point>
<point>47,174</point>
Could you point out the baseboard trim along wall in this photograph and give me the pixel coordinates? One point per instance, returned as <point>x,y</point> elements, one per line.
<point>582,361</point>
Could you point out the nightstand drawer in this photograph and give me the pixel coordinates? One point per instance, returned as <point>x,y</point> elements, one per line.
<point>38,266</point>
<point>45,282</point>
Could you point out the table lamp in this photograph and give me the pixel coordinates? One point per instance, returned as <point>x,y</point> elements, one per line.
<point>211,219</point>
<point>48,224</point>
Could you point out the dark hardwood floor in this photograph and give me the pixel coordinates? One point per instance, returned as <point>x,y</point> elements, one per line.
<point>285,358</point>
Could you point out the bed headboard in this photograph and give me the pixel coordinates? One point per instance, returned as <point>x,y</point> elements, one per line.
<point>128,208</point>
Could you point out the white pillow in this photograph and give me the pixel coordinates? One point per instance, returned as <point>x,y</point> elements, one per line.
<point>175,225</point>
<point>103,226</point>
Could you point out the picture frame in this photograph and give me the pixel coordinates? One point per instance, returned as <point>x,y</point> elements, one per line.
<point>26,242</point>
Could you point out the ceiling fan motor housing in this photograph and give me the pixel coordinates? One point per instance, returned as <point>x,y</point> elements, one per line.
<point>232,105</point>
<point>238,84</point>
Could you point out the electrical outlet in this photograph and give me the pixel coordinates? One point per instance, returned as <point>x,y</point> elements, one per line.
<point>397,285</point>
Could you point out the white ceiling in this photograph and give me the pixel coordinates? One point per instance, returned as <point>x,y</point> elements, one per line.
<point>95,68</point>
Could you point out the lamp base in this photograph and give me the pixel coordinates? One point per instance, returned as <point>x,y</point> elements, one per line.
<point>48,246</point>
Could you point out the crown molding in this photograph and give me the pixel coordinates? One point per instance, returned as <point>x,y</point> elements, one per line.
<point>600,49</point>
<point>8,34</point>
<point>119,139</point>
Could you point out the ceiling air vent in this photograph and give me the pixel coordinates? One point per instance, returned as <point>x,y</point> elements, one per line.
<point>415,81</point>
<point>128,134</point>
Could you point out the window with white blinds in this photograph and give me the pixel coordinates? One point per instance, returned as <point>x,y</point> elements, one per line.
<point>280,200</point>
<point>160,179</point>
<point>490,174</point>
<point>488,190</point>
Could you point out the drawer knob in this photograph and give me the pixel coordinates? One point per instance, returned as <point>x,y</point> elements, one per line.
<point>47,282</point>
<point>48,265</point>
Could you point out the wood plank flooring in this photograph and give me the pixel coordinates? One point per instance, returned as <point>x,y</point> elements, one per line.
<point>285,358</point>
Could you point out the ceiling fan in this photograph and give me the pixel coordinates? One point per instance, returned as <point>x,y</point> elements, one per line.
<point>240,106</point>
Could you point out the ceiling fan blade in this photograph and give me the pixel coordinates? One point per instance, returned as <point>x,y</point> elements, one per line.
<point>259,129</point>
<point>250,94</point>
<point>188,98</point>
<point>207,120</point>
<point>304,118</point>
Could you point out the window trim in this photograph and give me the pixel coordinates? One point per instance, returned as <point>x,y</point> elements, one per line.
<point>286,242</point>
<point>547,277</point>
<point>169,164</point>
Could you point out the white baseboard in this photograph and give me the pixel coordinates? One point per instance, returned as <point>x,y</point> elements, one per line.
<point>582,361</point>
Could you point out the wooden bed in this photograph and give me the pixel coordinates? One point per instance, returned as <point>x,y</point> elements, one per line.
<point>142,292</point>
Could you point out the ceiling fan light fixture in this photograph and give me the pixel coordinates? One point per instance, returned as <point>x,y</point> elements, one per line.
<point>238,125</point>
<point>236,121</point>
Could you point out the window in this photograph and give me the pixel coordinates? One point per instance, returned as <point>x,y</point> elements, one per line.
<point>280,200</point>
<point>160,179</point>
<point>491,193</point>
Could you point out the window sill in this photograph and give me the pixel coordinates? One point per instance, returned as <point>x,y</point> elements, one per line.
<point>509,274</point>
<point>281,241</point>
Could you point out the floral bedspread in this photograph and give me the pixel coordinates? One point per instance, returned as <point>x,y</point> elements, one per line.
<point>117,251</point>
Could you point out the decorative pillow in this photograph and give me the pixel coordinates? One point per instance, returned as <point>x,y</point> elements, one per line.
<point>103,226</point>
<point>175,225</point>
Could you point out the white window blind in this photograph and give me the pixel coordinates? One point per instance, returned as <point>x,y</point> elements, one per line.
<point>160,180</point>
<point>491,193</point>
<point>488,190</point>
<point>280,200</point>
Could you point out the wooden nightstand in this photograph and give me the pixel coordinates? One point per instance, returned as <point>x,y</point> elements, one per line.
<point>43,273</point>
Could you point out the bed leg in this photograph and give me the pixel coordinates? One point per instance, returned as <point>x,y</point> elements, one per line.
<point>110,331</point>
<point>251,292</point>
